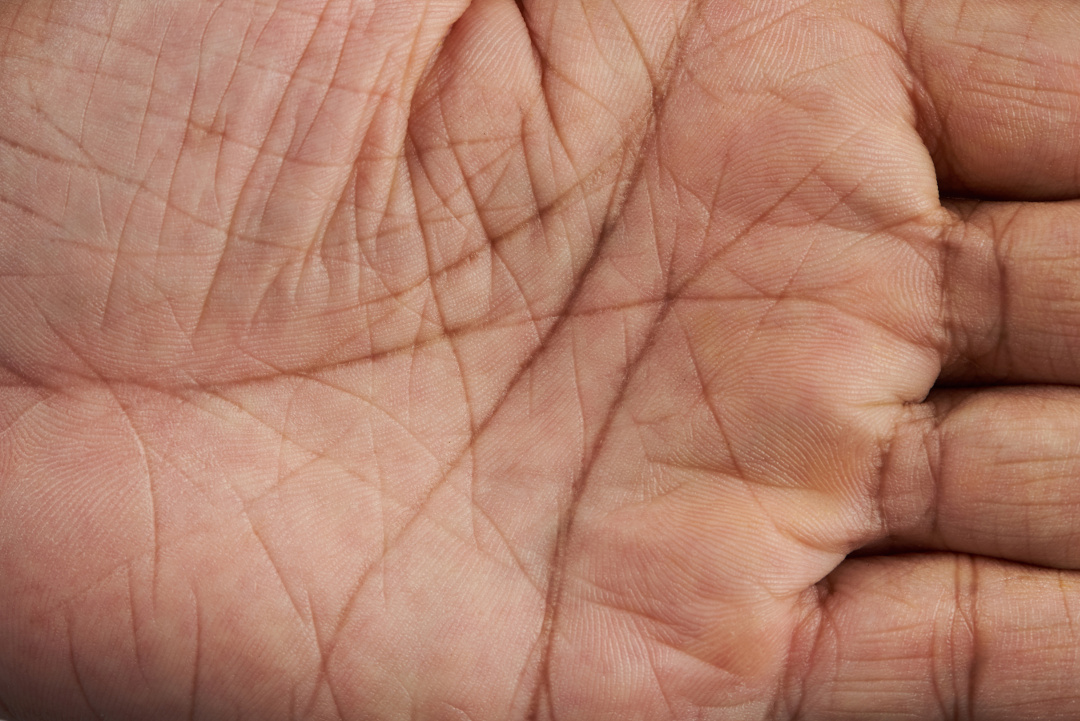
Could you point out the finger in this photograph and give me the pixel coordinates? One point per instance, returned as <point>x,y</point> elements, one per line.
<point>1011,273</point>
<point>988,472</point>
<point>939,637</point>
<point>999,94</point>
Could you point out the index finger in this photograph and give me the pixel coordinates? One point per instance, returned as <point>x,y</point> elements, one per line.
<point>998,94</point>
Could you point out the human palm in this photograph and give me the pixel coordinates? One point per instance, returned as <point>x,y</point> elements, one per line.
<point>481,360</point>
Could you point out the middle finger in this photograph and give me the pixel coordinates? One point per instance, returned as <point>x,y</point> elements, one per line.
<point>1011,274</point>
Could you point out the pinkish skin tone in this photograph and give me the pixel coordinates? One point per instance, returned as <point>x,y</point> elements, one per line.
<point>609,359</point>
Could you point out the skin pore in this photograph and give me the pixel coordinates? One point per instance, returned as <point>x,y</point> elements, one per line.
<point>551,359</point>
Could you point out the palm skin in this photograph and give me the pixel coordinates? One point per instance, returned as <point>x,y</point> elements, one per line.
<point>482,360</point>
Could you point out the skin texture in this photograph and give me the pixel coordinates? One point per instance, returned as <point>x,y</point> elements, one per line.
<point>559,359</point>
